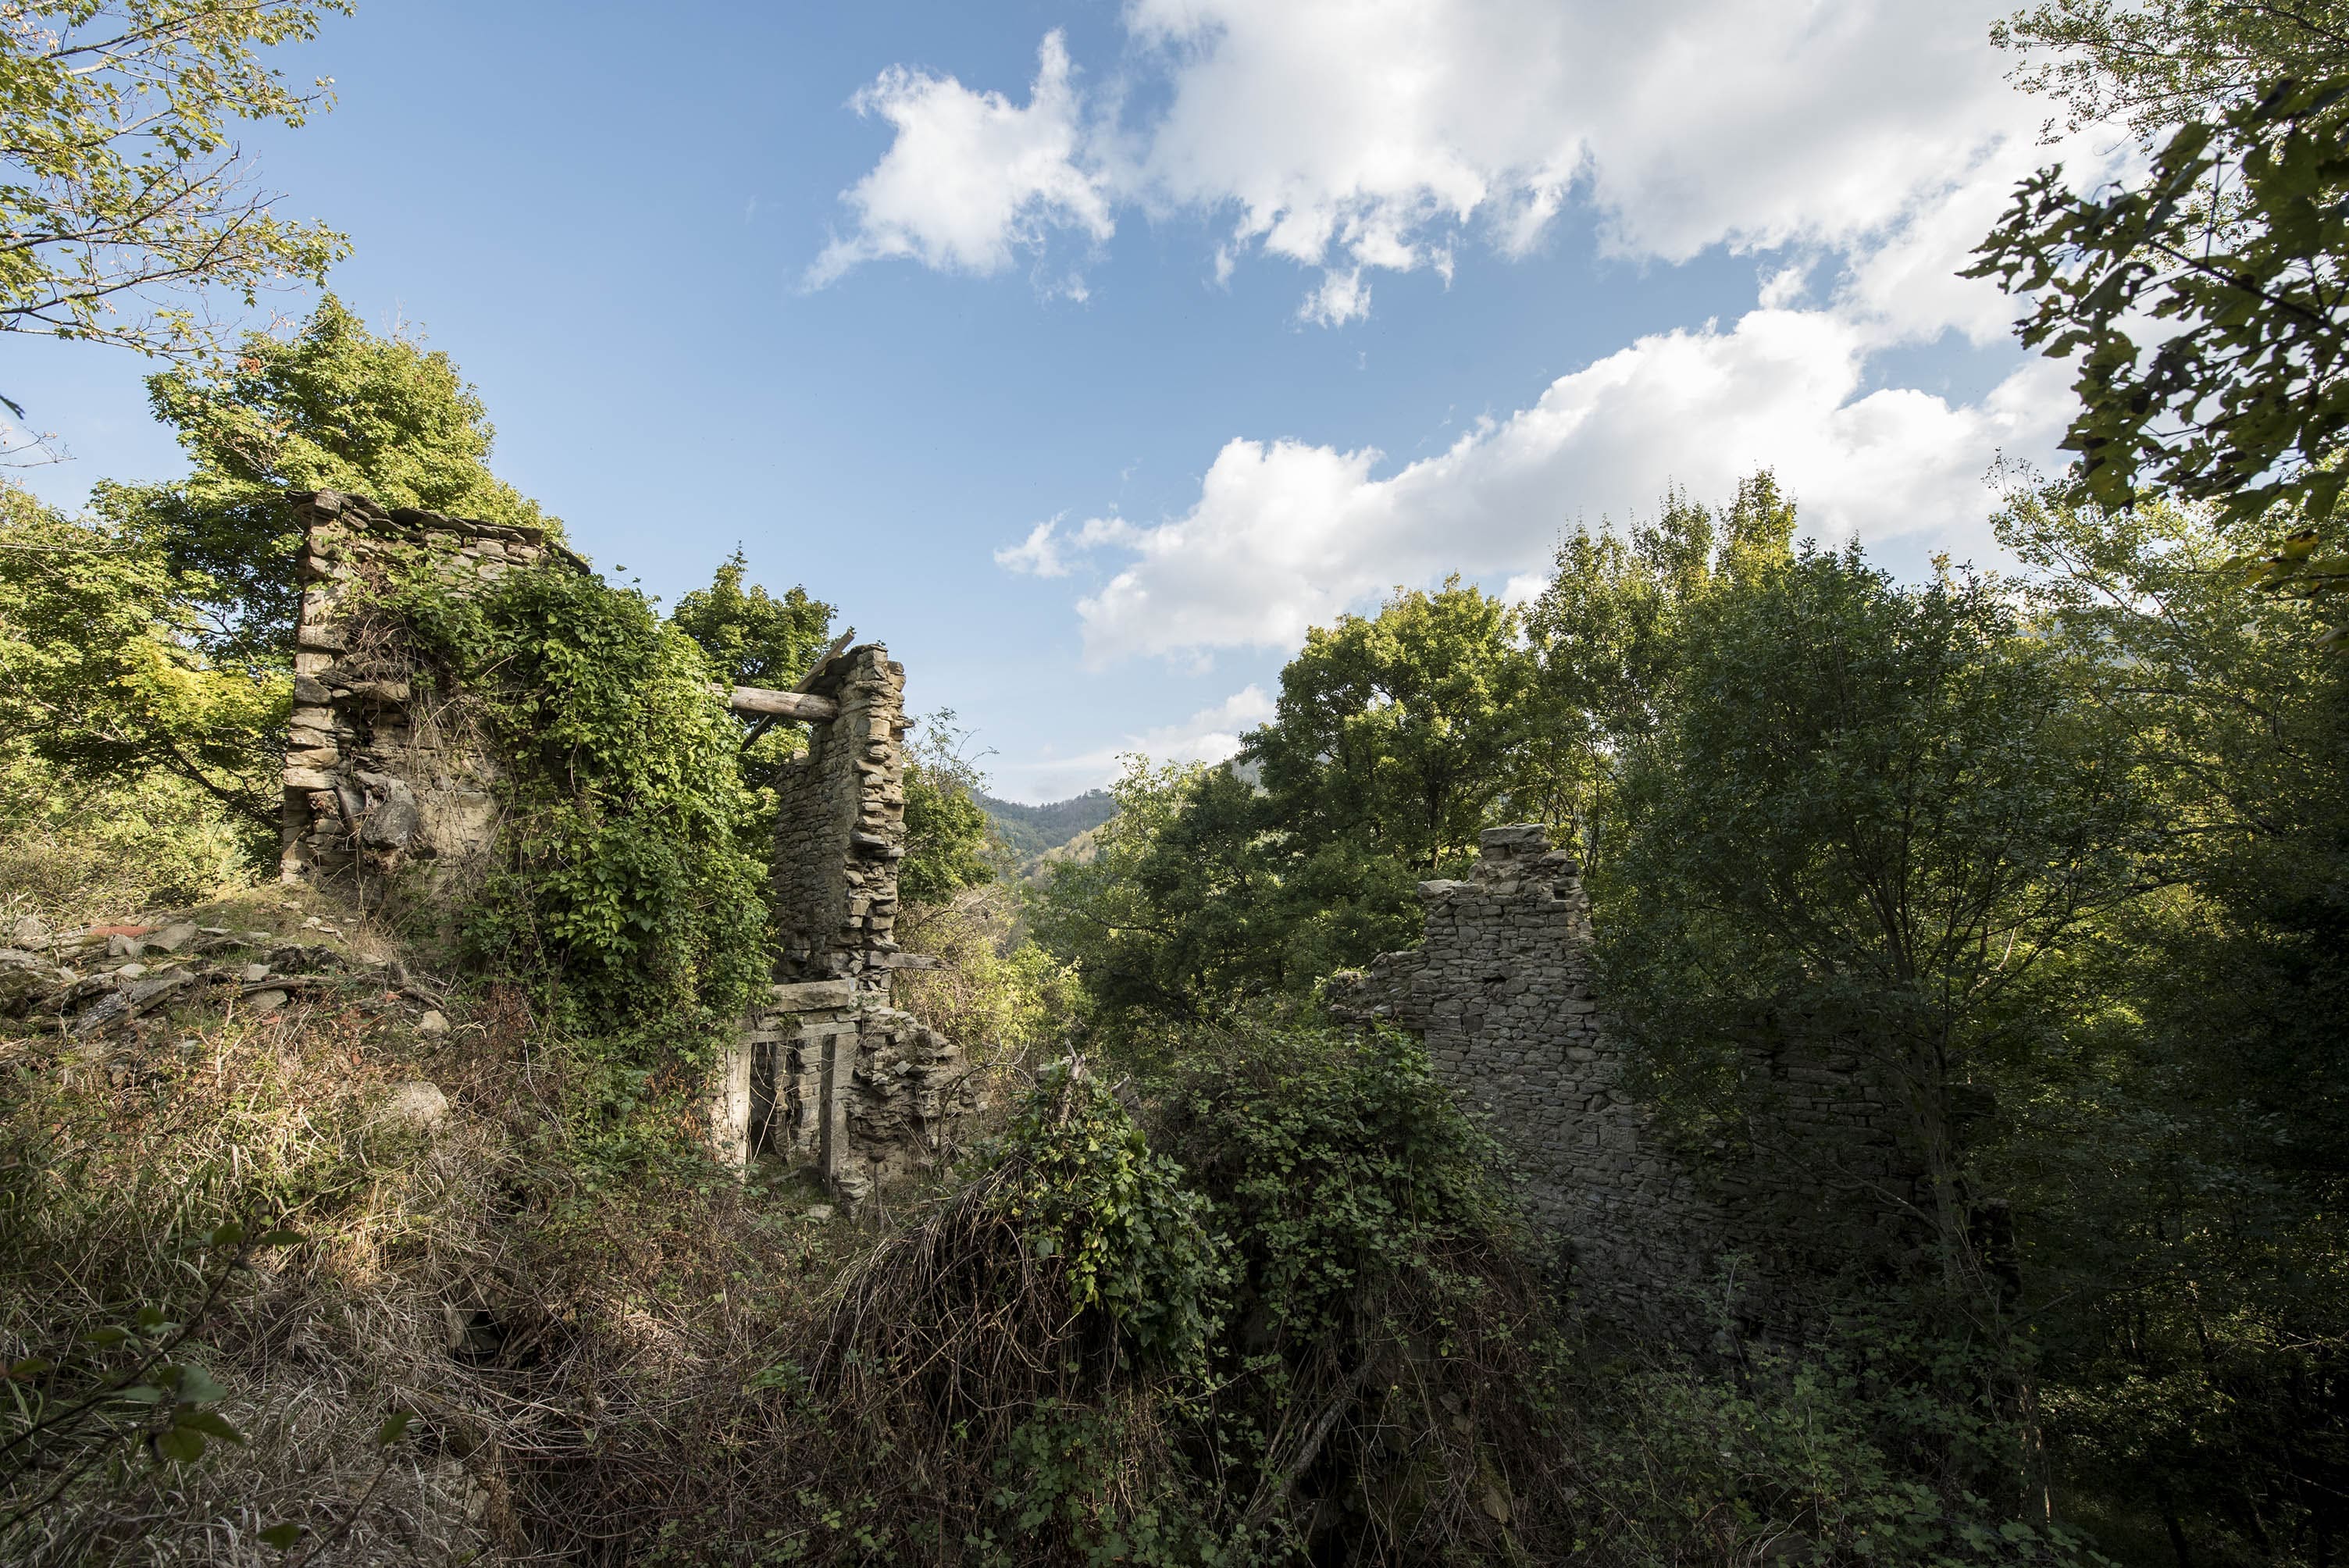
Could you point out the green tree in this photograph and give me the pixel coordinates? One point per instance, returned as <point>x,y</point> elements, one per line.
<point>331,406</point>
<point>754,638</point>
<point>1398,730</point>
<point>950,844</point>
<point>1873,817</point>
<point>2179,1174</point>
<point>124,194</point>
<point>2204,306</point>
<point>1174,916</point>
<point>1398,738</point>
<point>103,674</point>
<point>1607,631</point>
<point>157,637</point>
<point>2213,341</point>
<point>2156,65</point>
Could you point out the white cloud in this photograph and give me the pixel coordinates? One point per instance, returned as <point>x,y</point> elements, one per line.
<point>972,178</point>
<point>1523,588</point>
<point>1352,136</point>
<point>1860,150</point>
<point>1286,535</point>
<point>1210,735</point>
<point>1343,298</point>
<point>1038,556</point>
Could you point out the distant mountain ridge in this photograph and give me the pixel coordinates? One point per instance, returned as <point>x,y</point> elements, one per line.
<point>1031,832</point>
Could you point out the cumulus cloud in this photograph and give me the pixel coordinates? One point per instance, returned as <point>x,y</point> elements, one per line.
<point>1038,556</point>
<point>1858,151</point>
<point>970,179</point>
<point>1210,735</point>
<point>1286,535</point>
<point>1343,298</point>
<point>1349,136</point>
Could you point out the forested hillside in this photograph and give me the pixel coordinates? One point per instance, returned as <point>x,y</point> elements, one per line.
<point>1028,830</point>
<point>387,1216</point>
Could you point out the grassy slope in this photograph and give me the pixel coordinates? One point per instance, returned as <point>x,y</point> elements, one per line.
<point>477,1271</point>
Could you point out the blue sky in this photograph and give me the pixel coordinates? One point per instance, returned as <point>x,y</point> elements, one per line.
<point>1087,353</point>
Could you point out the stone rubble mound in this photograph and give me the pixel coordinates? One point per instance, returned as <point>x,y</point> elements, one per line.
<point>86,983</point>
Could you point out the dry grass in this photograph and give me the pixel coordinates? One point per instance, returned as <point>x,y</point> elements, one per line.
<point>662,1366</point>
<point>118,1159</point>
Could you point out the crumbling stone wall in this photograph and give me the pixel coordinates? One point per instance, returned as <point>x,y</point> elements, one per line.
<point>840,830</point>
<point>1502,992</point>
<point>830,1075</point>
<point>833,1078</point>
<point>376,779</point>
<point>825,1072</point>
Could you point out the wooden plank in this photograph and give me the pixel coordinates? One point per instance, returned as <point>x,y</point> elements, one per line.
<point>824,659</point>
<point>791,704</point>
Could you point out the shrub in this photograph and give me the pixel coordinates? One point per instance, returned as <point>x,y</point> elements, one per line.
<point>630,880</point>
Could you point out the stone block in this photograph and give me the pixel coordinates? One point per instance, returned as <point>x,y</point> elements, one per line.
<point>812,996</point>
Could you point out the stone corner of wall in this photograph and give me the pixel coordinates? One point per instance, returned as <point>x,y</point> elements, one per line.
<point>373,781</point>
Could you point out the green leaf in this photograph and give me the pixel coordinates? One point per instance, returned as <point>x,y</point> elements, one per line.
<point>282,1536</point>
<point>395,1426</point>
<point>181,1445</point>
<point>210,1422</point>
<point>196,1387</point>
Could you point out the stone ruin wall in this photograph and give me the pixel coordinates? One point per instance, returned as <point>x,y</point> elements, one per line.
<point>1502,992</point>
<point>829,1074</point>
<point>377,778</point>
<point>841,830</point>
<point>380,780</point>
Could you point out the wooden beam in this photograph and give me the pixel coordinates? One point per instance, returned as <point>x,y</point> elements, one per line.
<point>791,704</point>
<point>824,659</point>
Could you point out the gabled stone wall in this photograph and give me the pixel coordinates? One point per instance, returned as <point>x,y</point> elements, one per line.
<point>1502,992</point>
<point>376,778</point>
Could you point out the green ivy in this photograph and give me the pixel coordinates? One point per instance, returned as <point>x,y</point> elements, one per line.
<point>1340,1166</point>
<point>1134,1240</point>
<point>630,879</point>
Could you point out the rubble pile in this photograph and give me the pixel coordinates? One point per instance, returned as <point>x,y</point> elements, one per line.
<point>85,984</point>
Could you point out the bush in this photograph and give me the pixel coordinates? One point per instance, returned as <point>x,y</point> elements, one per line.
<point>630,876</point>
<point>1383,1376</point>
<point>1864,1451</point>
<point>998,994</point>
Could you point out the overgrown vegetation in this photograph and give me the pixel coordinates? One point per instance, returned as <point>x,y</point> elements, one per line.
<point>2057,858</point>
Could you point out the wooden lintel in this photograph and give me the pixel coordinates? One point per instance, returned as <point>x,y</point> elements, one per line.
<point>791,705</point>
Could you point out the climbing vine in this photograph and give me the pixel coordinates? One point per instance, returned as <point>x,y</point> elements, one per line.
<point>629,882</point>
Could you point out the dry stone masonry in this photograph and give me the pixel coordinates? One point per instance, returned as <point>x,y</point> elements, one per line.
<point>831,1076</point>
<point>1500,991</point>
<point>374,779</point>
<point>841,830</point>
<point>379,779</point>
